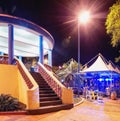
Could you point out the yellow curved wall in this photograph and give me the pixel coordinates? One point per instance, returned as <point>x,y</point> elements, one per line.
<point>12,82</point>
<point>22,89</point>
<point>9,80</point>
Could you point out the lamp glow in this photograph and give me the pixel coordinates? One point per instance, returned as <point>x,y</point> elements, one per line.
<point>84,17</point>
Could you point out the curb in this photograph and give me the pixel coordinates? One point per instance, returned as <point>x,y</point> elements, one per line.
<point>13,113</point>
<point>79,102</point>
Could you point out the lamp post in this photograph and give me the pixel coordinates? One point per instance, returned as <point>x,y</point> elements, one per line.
<point>78,45</point>
<point>83,18</point>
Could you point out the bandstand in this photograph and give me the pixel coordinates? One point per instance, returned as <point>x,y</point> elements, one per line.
<point>22,38</point>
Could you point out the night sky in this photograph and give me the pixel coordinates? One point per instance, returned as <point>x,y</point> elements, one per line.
<point>59,18</point>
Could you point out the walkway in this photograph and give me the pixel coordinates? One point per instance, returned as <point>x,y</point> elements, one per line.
<point>109,110</point>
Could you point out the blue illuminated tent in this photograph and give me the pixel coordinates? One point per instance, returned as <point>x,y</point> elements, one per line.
<point>101,66</point>
<point>101,71</point>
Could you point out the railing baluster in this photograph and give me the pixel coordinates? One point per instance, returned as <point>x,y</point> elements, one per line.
<point>27,80</point>
<point>4,60</point>
<point>50,80</point>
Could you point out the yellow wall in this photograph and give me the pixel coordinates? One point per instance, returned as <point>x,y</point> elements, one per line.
<point>9,80</point>
<point>22,89</point>
<point>30,97</point>
<point>67,96</point>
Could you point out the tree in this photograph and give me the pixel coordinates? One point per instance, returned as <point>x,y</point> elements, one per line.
<point>113,25</point>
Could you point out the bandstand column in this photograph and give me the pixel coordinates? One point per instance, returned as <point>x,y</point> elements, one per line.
<point>41,55</point>
<point>10,43</point>
<point>50,57</point>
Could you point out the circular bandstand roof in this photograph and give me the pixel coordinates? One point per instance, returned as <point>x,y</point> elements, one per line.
<point>26,36</point>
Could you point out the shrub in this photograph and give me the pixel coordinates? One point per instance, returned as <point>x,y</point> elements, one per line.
<point>9,103</point>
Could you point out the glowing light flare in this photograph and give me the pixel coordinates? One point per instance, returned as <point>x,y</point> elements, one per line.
<point>84,17</point>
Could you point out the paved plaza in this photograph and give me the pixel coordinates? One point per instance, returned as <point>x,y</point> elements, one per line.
<point>108,110</point>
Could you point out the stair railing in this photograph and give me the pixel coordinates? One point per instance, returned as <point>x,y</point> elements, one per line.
<point>48,67</point>
<point>3,59</point>
<point>64,93</point>
<point>32,89</point>
<point>27,85</point>
<point>24,75</point>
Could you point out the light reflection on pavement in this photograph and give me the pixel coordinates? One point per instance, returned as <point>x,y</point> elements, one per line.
<point>108,110</point>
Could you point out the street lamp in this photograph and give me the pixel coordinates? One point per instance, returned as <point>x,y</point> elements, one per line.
<point>82,18</point>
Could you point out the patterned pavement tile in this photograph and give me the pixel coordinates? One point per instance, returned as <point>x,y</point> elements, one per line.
<point>108,110</point>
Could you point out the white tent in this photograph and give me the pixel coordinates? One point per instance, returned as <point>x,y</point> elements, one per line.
<point>111,68</point>
<point>102,65</point>
<point>117,69</point>
<point>101,72</point>
<point>98,65</point>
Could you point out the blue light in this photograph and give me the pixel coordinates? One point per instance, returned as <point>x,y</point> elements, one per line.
<point>100,79</point>
<point>108,79</point>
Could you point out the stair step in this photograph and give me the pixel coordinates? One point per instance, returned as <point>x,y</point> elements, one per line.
<point>48,95</point>
<point>49,98</point>
<point>40,80</point>
<point>48,109</point>
<point>44,83</point>
<point>50,103</point>
<point>43,88</point>
<point>46,91</point>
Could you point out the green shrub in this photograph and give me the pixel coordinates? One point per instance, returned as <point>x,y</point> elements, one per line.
<point>9,103</point>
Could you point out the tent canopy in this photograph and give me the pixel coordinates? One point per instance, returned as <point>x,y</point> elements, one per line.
<point>98,65</point>
<point>102,67</point>
<point>101,64</point>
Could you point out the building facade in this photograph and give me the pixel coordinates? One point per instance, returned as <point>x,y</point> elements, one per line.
<point>22,38</point>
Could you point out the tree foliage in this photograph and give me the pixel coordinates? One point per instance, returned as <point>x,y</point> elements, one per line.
<point>113,23</point>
